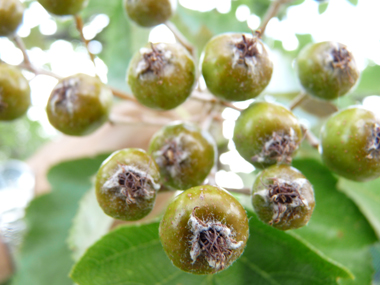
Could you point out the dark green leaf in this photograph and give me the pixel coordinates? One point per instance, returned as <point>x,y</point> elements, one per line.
<point>45,258</point>
<point>375,250</point>
<point>134,255</point>
<point>337,227</point>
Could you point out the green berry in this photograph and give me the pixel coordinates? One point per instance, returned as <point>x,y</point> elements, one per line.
<point>267,134</point>
<point>11,15</point>
<point>350,144</point>
<point>149,13</point>
<point>64,7</point>
<point>126,184</point>
<point>327,70</point>
<point>236,67</point>
<point>283,198</point>
<point>79,104</point>
<point>184,154</point>
<point>204,230</point>
<point>14,93</point>
<point>161,76</point>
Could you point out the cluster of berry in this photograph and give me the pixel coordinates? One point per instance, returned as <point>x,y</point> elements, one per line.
<point>204,228</point>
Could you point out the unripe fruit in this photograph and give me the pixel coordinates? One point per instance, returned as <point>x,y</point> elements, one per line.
<point>11,14</point>
<point>266,134</point>
<point>79,104</point>
<point>64,7</point>
<point>14,93</point>
<point>350,144</point>
<point>126,184</point>
<point>184,154</point>
<point>204,230</point>
<point>161,76</point>
<point>149,13</point>
<point>326,70</point>
<point>283,198</point>
<point>236,67</point>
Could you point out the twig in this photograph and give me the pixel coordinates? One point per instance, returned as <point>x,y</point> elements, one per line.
<point>200,96</point>
<point>180,37</point>
<point>272,12</point>
<point>298,100</point>
<point>244,191</point>
<point>123,95</point>
<point>310,137</point>
<point>123,120</point>
<point>79,25</point>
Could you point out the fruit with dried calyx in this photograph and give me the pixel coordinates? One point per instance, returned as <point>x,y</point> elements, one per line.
<point>283,198</point>
<point>327,70</point>
<point>236,67</point>
<point>204,230</point>
<point>14,93</point>
<point>11,15</point>
<point>127,184</point>
<point>79,104</point>
<point>266,134</point>
<point>184,154</point>
<point>161,76</point>
<point>350,144</point>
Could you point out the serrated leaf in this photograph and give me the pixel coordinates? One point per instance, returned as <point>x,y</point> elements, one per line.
<point>90,224</point>
<point>354,2</point>
<point>134,255</point>
<point>44,258</point>
<point>337,227</point>
<point>322,7</point>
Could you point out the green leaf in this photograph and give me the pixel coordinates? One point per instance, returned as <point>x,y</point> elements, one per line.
<point>369,82</point>
<point>337,227</point>
<point>367,198</point>
<point>134,255</point>
<point>89,224</point>
<point>353,2</point>
<point>44,258</point>
<point>376,263</point>
<point>322,7</point>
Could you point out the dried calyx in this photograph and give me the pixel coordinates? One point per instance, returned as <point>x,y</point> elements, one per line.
<point>154,61</point>
<point>131,183</point>
<point>279,147</point>
<point>213,240</point>
<point>246,49</point>
<point>64,94</point>
<point>341,57</point>
<point>374,145</point>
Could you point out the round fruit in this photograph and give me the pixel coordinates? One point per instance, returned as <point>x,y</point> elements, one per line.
<point>149,13</point>
<point>236,67</point>
<point>79,104</point>
<point>64,7</point>
<point>126,184</point>
<point>11,14</point>
<point>283,198</point>
<point>14,93</point>
<point>266,134</point>
<point>162,75</point>
<point>184,154</point>
<point>327,70</point>
<point>204,230</point>
<point>350,144</point>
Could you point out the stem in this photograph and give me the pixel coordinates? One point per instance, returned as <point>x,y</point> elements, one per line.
<point>199,96</point>
<point>180,37</point>
<point>298,100</point>
<point>79,25</point>
<point>244,191</point>
<point>122,95</point>
<point>310,137</point>
<point>272,12</point>
<point>118,120</point>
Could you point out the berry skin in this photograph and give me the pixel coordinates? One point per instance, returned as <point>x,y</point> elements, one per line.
<point>14,93</point>
<point>149,13</point>
<point>326,70</point>
<point>79,104</point>
<point>161,76</point>
<point>184,154</point>
<point>267,134</point>
<point>236,67</point>
<point>350,144</point>
<point>64,7</point>
<point>204,230</point>
<point>11,15</point>
<point>283,198</point>
<point>126,184</point>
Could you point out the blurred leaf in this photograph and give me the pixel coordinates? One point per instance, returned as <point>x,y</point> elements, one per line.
<point>134,255</point>
<point>376,263</point>
<point>337,227</point>
<point>369,82</point>
<point>367,198</point>
<point>353,2</point>
<point>322,7</point>
<point>89,224</point>
<point>44,258</point>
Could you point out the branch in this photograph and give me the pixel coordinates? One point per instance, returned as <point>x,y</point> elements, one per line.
<point>124,120</point>
<point>79,25</point>
<point>180,37</point>
<point>200,96</point>
<point>244,191</point>
<point>297,100</point>
<point>310,137</point>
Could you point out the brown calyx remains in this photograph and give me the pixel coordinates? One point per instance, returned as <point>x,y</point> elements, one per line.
<point>278,147</point>
<point>65,91</point>
<point>247,47</point>
<point>213,240</point>
<point>285,198</point>
<point>374,145</point>
<point>155,61</point>
<point>341,59</point>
